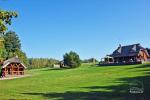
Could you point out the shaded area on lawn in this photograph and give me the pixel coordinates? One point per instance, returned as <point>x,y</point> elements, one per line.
<point>111,92</point>
<point>78,95</point>
<point>122,91</point>
<point>146,65</point>
<point>91,95</point>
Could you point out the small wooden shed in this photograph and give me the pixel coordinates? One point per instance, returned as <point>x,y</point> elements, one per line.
<point>13,66</point>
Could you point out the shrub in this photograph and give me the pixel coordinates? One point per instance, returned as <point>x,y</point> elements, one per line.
<point>72,59</point>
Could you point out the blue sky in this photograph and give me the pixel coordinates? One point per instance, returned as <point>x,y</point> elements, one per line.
<point>92,28</point>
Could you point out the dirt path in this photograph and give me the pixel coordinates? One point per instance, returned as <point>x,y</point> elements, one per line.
<point>13,77</point>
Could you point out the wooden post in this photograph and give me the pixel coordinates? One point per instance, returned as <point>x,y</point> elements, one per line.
<point>12,69</point>
<point>5,71</point>
<point>17,70</point>
<point>23,71</point>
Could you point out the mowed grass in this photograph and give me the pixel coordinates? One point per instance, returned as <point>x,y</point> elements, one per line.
<point>88,82</point>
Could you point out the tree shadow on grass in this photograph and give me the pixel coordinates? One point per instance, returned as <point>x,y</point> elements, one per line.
<point>79,95</point>
<point>110,92</point>
<point>146,65</point>
<point>115,94</point>
<point>123,92</point>
<point>142,79</point>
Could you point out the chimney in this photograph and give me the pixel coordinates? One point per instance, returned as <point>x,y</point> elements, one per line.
<point>119,48</point>
<point>119,45</point>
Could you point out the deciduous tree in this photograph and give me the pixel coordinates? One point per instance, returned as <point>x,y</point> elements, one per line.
<point>6,19</point>
<point>72,59</point>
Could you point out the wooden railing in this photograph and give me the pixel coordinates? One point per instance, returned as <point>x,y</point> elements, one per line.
<point>121,63</point>
<point>14,73</point>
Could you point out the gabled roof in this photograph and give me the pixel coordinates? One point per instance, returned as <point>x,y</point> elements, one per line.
<point>12,60</point>
<point>129,50</point>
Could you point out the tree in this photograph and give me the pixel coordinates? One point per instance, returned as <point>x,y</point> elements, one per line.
<point>22,56</point>
<point>13,46</point>
<point>72,59</point>
<point>12,42</point>
<point>5,19</point>
<point>3,53</point>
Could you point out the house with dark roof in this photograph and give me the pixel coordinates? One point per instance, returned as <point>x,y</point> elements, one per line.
<point>13,66</point>
<point>128,54</point>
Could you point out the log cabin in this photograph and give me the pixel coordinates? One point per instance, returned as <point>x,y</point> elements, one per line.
<point>13,66</point>
<point>128,54</point>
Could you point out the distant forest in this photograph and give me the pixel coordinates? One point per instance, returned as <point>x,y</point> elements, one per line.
<point>41,62</point>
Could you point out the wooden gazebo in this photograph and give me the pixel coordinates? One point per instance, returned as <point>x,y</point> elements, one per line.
<point>13,66</point>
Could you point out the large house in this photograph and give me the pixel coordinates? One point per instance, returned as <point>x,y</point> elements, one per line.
<point>128,54</point>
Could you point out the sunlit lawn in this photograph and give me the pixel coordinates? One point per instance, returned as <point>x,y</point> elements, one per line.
<point>86,82</point>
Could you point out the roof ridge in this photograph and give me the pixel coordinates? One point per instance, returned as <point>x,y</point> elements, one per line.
<point>131,45</point>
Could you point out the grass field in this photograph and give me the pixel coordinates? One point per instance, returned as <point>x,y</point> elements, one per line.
<point>86,82</point>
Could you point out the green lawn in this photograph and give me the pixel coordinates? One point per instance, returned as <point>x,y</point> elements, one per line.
<point>86,82</point>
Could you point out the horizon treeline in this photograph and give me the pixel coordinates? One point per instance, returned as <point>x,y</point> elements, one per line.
<point>34,63</point>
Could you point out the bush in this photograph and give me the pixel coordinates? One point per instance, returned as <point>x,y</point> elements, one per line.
<point>72,59</point>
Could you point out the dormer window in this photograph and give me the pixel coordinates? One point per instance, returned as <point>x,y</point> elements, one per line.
<point>118,51</point>
<point>133,49</point>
